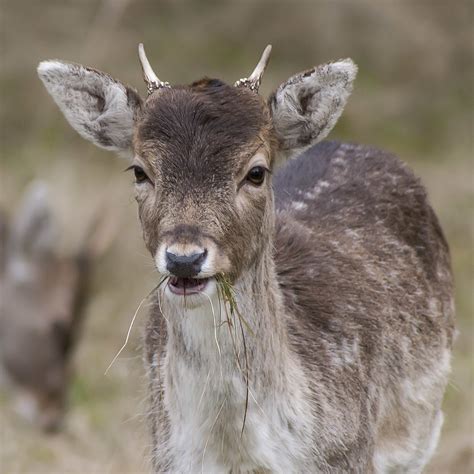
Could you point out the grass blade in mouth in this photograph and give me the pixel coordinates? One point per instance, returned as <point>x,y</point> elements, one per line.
<point>228,293</point>
<point>163,279</point>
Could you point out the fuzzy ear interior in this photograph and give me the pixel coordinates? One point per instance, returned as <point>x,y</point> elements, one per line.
<point>96,105</point>
<point>307,106</point>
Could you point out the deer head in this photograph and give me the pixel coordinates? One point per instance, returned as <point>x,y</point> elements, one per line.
<point>42,296</point>
<point>202,156</point>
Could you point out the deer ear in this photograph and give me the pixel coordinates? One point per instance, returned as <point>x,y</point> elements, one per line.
<point>96,105</point>
<point>306,107</point>
<point>34,230</point>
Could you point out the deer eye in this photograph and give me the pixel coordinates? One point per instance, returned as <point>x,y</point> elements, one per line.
<point>256,175</point>
<point>140,175</point>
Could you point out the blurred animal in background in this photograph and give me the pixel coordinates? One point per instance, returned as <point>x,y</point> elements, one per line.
<point>42,298</point>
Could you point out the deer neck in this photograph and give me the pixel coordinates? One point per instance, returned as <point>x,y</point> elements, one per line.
<point>212,374</point>
<point>226,341</point>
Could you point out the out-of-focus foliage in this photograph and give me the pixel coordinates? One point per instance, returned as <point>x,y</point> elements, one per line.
<point>413,96</point>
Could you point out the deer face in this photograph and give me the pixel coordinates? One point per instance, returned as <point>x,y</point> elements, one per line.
<point>202,160</point>
<point>202,155</point>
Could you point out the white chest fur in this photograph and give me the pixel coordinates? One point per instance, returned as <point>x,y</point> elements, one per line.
<point>205,397</point>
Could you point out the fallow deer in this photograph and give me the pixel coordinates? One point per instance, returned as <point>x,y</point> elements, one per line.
<point>305,320</point>
<point>42,298</point>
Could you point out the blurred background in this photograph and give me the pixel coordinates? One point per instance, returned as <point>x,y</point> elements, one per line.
<point>413,96</point>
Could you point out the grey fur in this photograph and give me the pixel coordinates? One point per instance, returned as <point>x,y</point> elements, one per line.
<point>340,270</point>
<point>98,107</point>
<point>42,297</point>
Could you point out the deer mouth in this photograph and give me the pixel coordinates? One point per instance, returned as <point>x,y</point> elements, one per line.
<point>187,286</point>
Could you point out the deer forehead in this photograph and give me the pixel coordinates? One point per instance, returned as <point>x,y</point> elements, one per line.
<point>204,127</point>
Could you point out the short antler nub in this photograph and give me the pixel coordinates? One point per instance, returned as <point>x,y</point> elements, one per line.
<point>253,81</point>
<point>151,79</point>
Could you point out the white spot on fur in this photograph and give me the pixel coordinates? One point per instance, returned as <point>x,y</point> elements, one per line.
<point>321,186</point>
<point>434,307</point>
<point>299,205</point>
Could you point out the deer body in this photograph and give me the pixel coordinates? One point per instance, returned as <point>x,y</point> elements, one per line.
<point>333,318</point>
<point>42,300</point>
<point>305,321</point>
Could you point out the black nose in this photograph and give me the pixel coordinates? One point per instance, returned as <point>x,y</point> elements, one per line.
<point>185,266</point>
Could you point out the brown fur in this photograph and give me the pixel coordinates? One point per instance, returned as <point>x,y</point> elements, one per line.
<point>338,263</point>
<point>358,262</point>
<point>210,130</point>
